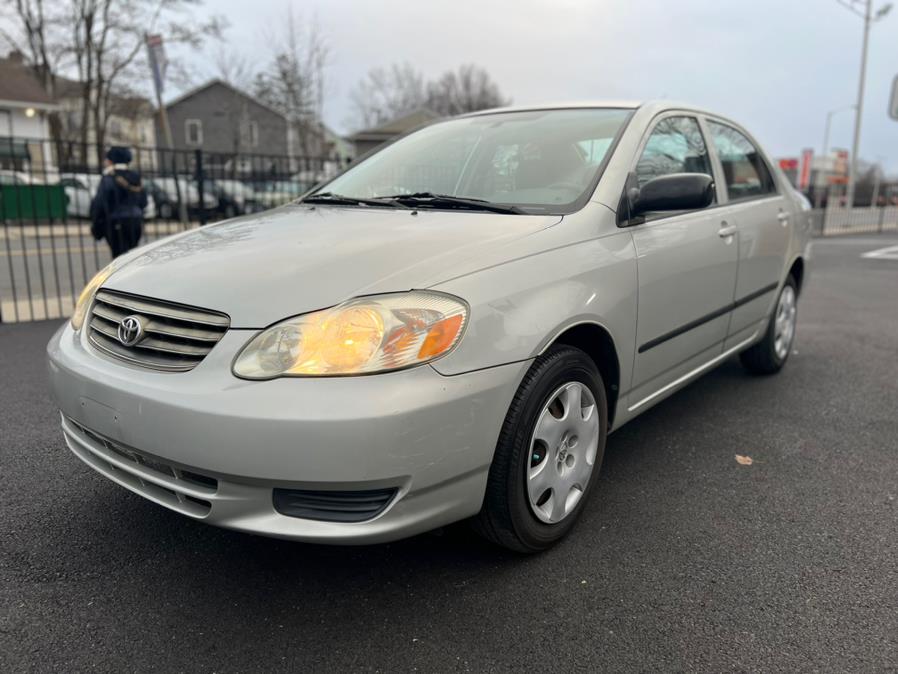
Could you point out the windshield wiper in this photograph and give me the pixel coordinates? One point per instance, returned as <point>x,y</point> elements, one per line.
<point>418,199</point>
<point>342,200</point>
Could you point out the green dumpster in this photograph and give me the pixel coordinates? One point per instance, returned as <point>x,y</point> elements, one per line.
<point>32,202</point>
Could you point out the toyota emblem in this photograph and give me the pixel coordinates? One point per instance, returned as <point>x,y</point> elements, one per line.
<point>130,331</point>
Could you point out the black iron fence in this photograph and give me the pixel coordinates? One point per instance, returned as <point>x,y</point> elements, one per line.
<point>47,252</point>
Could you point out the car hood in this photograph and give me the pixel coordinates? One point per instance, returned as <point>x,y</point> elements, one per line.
<point>262,268</point>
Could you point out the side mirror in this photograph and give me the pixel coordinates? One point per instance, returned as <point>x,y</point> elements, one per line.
<point>674,192</point>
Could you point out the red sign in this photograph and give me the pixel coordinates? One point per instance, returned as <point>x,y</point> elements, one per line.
<point>789,164</point>
<point>804,176</point>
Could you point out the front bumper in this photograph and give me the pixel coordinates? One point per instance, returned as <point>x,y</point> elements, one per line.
<point>429,437</point>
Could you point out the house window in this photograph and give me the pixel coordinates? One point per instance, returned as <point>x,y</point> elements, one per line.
<point>249,133</point>
<point>193,131</point>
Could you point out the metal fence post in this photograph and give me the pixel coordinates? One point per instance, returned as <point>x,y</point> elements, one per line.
<point>200,185</point>
<point>882,211</point>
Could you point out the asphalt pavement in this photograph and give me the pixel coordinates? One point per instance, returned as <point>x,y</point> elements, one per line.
<point>685,559</point>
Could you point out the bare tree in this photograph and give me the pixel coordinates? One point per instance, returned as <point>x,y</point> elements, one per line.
<point>103,41</point>
<point>468,89</point>
<point>295,82</point>
<point>233,68</point>
<point>36,31</point>
<point>387,93</point>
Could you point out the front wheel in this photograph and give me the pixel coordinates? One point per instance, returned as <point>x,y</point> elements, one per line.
<point>769,355</point>
<point>549,453</point>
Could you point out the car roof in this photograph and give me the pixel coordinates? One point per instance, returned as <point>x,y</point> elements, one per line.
<point>655,105</point>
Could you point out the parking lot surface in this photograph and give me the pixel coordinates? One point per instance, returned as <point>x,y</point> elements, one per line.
<point>685,559</point>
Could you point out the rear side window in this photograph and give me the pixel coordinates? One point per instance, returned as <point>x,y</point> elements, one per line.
<point>745,172</point>
<point>675,146</point>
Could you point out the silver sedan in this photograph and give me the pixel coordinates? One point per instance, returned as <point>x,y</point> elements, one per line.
<point>450,329</point>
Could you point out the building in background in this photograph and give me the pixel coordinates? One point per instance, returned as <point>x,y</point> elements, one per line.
<point>370,139</point>
<point>25,107</point>
<point>130,122</point>
<point>222,120</point>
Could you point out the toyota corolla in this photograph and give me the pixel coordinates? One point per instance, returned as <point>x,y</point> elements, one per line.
<point>448,330</point>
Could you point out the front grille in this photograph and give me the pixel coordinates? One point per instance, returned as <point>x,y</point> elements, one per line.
<point>183,490</point>
<point>332,506</point>
<point>175,337</point>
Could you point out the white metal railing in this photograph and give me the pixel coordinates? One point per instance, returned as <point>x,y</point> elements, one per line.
<point>843,220</point>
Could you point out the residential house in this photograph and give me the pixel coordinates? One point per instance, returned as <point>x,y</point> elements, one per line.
<point>367,140</point>
<point>130,122</point>
<point>238,132</point>
<point>222,120</point>
<point>25,107</point>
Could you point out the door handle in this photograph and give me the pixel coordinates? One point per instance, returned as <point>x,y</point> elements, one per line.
<point>726,230</point>
<point>783,217</point>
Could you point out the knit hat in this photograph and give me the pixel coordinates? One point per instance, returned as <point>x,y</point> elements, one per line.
<point>119,155</point>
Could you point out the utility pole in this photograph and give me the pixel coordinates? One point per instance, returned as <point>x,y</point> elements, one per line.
<point>157,66</point>
<point>859,106</point>
<point>869,18</point>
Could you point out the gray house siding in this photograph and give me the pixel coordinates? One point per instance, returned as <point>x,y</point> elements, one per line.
<point>226,117</point>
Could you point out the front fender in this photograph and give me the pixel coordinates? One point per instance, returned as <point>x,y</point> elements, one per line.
<point>519,307</point>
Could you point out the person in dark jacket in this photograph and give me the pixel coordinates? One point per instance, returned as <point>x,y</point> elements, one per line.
<point>116,211</point>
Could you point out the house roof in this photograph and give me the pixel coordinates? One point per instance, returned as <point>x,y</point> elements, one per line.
<point>396,126</point>
<point>20,87</point>
<point>217,82</point>
<point>125,105</point>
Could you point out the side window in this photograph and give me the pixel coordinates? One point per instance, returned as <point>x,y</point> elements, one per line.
<point>675,146</point>
<point>744,170</point>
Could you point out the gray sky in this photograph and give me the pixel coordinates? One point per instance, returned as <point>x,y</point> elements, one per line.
<point>777,66</point>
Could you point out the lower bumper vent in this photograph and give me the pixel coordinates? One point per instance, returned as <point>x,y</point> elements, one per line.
<point>332,506</point>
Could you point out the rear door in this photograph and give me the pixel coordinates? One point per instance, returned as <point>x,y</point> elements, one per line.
<point>686,266</point>
<point>761,215</point>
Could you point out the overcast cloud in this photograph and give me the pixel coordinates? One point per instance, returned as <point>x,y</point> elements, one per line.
<point>776,66</point>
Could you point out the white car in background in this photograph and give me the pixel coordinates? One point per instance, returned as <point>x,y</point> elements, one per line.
<point>80,189</point>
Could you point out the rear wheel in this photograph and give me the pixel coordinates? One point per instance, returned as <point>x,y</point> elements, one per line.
<point>770,354</point>
<point>549,453</point>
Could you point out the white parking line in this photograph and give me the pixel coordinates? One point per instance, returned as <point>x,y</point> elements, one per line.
<point>889,253</point>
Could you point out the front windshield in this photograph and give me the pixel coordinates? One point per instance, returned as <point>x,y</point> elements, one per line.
<point>540,160</point>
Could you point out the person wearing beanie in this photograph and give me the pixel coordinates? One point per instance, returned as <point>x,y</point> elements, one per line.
<point>116,211</point>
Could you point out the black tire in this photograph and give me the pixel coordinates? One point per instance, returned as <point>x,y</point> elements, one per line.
<point>506,517</point>
<point>165,211</point>
<point>762,358</point>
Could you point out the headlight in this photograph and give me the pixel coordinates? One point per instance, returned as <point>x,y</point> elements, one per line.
<point>88,294</point>
<point>365,335</point>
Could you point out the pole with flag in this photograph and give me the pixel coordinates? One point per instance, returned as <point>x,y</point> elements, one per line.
<point>158,65</point>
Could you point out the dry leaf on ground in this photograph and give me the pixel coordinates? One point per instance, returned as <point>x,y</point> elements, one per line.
<point>743,460</point>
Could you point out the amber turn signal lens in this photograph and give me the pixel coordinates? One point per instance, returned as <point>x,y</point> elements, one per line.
<point>440,337</point>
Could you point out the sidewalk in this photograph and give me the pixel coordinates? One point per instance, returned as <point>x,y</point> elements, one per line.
<point>59,230</point>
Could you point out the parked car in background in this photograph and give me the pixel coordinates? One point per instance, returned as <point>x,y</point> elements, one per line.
<point>78,197</point>
<point>234,197</point>
<point>80,189</point>
<point>448,330</point>
<point>12,177</point>
<point>279,192</point>
<point>164,191</point>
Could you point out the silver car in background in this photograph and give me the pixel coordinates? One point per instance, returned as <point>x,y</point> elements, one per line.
<point>450,329</point>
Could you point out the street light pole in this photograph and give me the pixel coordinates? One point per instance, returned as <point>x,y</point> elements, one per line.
<point>859,106</point>
<point>824,156</point>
